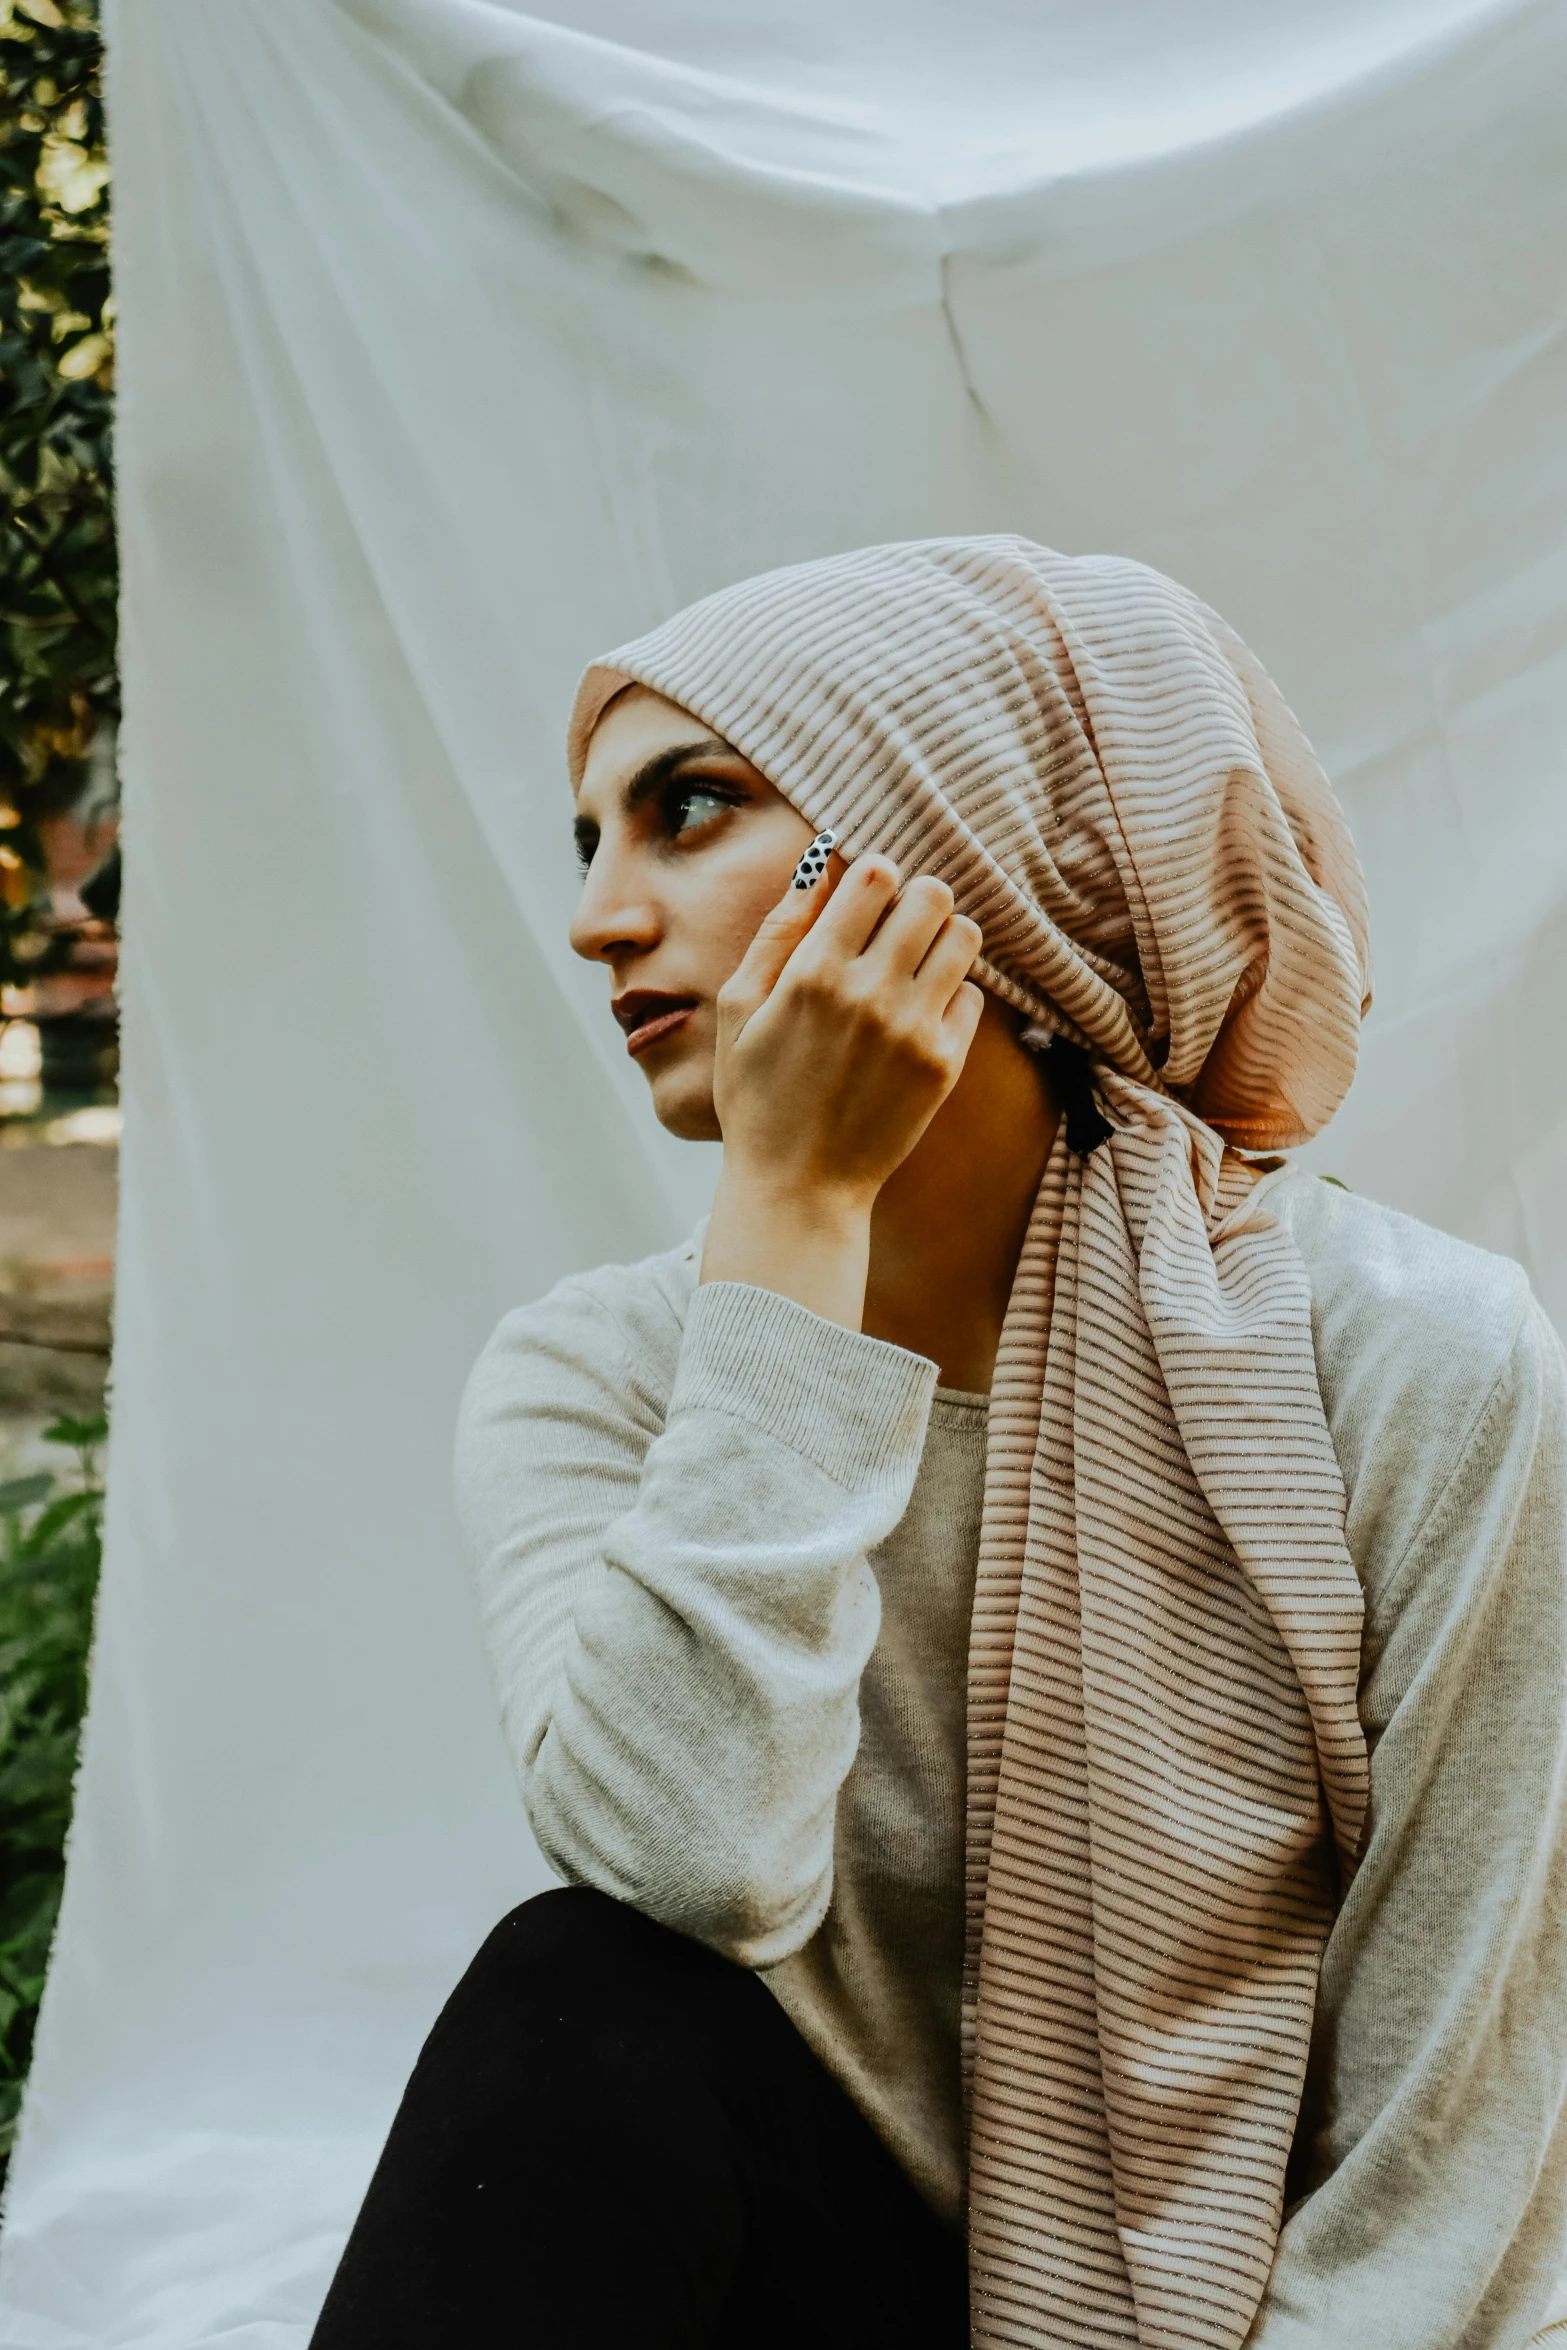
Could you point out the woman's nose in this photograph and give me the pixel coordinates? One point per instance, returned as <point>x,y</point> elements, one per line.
<point>613,918</point>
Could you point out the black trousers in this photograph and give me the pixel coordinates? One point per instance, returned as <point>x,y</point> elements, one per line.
<point>614,2137</point>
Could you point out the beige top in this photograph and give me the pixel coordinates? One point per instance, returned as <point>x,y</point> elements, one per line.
<point>673,1498</point>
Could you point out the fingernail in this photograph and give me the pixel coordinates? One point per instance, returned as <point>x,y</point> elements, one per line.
<point>814,862</point>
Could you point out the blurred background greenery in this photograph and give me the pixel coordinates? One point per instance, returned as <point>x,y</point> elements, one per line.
<point>59,687</point>
<point>59,690</point>
<point>51,1539</point>
<point>59,898</point>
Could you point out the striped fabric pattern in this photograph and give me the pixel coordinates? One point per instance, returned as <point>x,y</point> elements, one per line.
<point>1167,1777</point>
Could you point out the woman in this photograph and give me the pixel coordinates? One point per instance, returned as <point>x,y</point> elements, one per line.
<point>1037,1641</point>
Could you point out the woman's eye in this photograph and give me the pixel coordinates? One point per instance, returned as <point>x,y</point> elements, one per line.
<point>697,805</point>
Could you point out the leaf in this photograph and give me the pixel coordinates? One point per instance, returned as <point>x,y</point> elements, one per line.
<point>41,1771</point>
<point>27,1921</point>
<point>54,1520</point>
<point>68,176</point>
<point>77,1432</point>
<point>87,357</point>
<point>20,1493</point>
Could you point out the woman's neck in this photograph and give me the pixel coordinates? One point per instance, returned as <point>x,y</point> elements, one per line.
<point>949,1225</point>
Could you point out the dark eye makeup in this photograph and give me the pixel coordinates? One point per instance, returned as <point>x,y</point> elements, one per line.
<point>679,805</point>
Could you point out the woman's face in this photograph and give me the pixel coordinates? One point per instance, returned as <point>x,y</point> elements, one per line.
<point>685,848</point>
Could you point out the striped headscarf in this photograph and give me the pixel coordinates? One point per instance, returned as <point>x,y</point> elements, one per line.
<point>1167,1777</point>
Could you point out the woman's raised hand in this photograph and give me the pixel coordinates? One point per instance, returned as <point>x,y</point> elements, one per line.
<point>839,1037</point>
<point>844,1030</point>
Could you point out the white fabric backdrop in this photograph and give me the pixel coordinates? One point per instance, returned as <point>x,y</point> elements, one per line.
<point>458,343</point>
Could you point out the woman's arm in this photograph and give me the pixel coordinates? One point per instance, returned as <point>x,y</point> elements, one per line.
<point>678,1608</point>
<point>1438,2171</point>
<point>676,1602</point>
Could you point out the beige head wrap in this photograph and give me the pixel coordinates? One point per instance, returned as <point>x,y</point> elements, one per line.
<point>1166,1769</point>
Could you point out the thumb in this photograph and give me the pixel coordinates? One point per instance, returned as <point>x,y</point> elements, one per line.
<point>777,936</point>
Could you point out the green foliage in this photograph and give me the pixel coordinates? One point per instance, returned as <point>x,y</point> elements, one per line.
<point>58,572</point>
<point>50,1545</point>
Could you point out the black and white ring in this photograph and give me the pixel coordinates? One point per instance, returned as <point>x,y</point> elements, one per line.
<point>814,862</point>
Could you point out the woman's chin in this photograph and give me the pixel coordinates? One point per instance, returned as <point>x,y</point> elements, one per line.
<point>683,1104</point>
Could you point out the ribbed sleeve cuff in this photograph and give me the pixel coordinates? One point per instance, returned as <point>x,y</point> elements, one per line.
<point>854,1405</point>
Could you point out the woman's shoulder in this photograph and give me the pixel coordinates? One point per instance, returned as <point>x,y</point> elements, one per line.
<point>617,1327</point>
<point>1380,1276</point>
<point>1425,1346</point>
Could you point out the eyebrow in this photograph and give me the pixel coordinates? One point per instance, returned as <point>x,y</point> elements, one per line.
<point>651,777</point>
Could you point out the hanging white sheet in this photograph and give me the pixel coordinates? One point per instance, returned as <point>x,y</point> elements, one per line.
<point>457,344</point>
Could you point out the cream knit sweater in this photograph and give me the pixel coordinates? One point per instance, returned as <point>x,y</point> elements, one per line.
<point>678,1503</point>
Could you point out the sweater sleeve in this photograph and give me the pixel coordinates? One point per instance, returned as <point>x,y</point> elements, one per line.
<point>1433,2125</point>
<point>677,1603</point>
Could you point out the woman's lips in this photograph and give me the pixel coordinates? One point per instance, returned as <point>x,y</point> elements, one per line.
<point>661,1025</point>
<point>647,1019</point>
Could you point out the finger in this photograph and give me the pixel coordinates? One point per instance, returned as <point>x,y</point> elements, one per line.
<point>867,889</point>
<point>777,936</point>
<point>906,936</point>
<point>960,1021</point>
<point>949,959</point>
